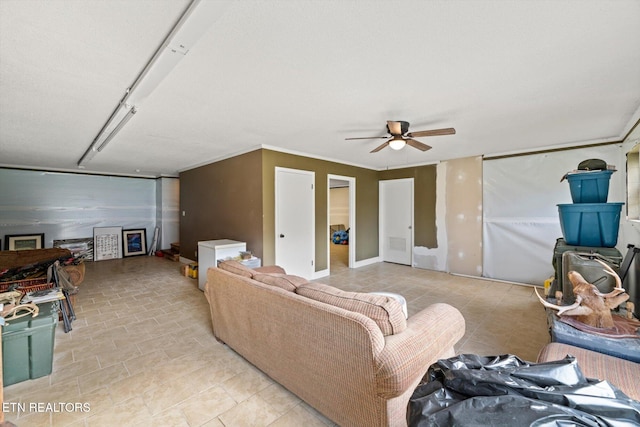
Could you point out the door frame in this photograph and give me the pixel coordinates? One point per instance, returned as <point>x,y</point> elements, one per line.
<point>312,240</point>
<point>352,218</point>
<point>381,216</point>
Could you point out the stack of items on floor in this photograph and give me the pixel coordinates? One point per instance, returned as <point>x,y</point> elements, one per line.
<point>172,254</point>
<point>590,233</point>
<point>29,267</point>
<point>589,228</point>
<point>34,285</point>
<point>590,220</point>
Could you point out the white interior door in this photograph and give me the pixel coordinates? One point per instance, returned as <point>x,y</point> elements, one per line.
<point>295,221</point>
<point>396,220</point>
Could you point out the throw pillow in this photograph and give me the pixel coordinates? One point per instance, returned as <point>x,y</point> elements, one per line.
<point>385,311</point>
<point>236,267</point>
<point>288,282</point>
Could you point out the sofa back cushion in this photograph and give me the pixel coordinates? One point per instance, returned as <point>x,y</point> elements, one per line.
<point>385,311</point>
<point>236,267</point>
<point>288,282</point>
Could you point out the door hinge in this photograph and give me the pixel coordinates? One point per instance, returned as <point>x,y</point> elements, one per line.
<point>312,263</point>
<point>312,186</point>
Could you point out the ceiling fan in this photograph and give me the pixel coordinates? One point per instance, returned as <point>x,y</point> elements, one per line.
<point>400,136</point>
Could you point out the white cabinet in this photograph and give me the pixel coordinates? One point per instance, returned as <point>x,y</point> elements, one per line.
<point>212,251</point>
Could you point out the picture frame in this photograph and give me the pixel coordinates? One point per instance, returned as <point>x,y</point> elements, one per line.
<point>134,242</point>
<point>81,249</point>
<point>107,243</point>
<point>18,242</point>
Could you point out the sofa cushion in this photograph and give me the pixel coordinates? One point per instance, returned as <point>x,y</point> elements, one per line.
<point>288,282</point>
<point>385,311</point>
<point>236,267</point>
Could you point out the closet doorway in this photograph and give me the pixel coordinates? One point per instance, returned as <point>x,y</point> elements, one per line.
<point>341,218</point>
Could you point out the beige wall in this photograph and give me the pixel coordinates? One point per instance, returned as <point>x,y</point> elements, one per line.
<point>222,200</point>
<point>339,206</point>
<point>464,215</point>
<point>235,199</point>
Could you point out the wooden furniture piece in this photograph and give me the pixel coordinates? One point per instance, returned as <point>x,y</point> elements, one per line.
<point>621,373</point>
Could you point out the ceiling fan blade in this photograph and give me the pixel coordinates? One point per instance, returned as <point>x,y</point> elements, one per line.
<point>432,132</point>
<point>380,147</point>
<point>417,144</point>
<point>395,128</point>
<point>369,137</point>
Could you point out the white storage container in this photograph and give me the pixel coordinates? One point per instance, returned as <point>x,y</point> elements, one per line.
<point>212,251</point>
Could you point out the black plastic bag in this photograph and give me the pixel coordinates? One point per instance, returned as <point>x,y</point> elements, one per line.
<point>471,390</point>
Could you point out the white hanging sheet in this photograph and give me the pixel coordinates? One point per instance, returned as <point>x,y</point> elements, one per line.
<point>520,216</point>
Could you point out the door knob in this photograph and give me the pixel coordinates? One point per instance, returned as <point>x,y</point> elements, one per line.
<point>281,236</point>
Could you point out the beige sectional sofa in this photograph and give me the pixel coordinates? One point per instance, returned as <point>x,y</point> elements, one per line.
<point>354,357</point>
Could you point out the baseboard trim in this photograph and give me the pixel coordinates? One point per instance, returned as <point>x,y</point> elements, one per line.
<point>365,262</point>
<point>320,274</point>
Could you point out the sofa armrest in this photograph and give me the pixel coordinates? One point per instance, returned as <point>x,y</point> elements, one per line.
<point>430,335</point>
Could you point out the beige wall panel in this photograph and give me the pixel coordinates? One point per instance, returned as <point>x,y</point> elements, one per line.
<point>339,206</point>
<point>464,215</point>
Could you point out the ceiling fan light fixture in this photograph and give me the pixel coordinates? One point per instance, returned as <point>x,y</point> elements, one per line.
<point>397,143</point>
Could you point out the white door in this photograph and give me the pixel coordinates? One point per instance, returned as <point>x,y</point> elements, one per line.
<point>295,221</point>
<point>396,220</point>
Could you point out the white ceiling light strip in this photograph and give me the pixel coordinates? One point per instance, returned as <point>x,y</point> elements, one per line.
<point>185,33</point>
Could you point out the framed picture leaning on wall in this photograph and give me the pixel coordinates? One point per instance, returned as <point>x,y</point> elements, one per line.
<point>134,242</point>
<point>107,243</point>
<point>17,242</point>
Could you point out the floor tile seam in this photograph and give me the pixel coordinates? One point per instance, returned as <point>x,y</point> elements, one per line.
<point>94,372</point>
<point>315,413</point>
<point>69,366</point>
<point>25,415</point>
<point>25,397</point>
<point>180,405</point>
<point>182,414</point>
<point>227,391</point>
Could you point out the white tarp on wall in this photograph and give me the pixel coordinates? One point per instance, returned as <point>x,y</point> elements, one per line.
<point>520,216</point>
<point>69,206</point>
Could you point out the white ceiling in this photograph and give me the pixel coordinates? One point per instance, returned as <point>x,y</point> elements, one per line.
<point>301,76</point>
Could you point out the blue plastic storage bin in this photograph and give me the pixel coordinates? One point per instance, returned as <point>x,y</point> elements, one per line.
<point>589,187</point>
<point>590,224</point>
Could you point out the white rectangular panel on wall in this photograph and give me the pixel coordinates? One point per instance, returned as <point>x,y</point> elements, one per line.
<point>68,206</point>
<point>520,220</point>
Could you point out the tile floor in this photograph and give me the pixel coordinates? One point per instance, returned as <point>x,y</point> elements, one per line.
<point>141,352</point>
